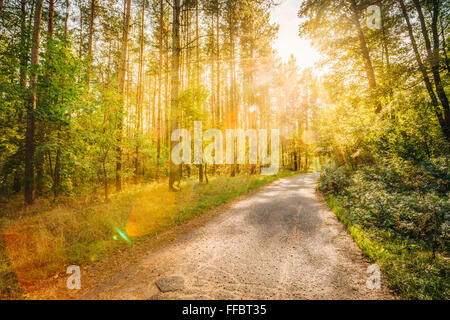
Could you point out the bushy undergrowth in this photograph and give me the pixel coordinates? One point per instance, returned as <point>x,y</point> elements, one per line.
<point>404,208</point>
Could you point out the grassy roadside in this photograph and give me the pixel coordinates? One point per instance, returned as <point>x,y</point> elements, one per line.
<point>407,266</point>
<point>42,245</point>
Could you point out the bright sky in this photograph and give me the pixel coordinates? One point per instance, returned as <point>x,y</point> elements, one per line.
<point>289,42</point>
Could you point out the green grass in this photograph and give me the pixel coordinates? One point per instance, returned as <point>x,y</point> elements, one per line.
<point>408,268</point>
<point>41,245</point>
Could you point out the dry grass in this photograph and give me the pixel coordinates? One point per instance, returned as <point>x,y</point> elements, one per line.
<point>42,244</point>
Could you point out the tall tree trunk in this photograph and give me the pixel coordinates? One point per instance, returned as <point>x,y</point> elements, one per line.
<point>91,37</point>
<point>370,73</point>
<point>121,78</point>
<point>66,20</point>
<point>197,72</point>
<point>154,90</point>
<point>434,58</point>
<point>175,83</point>
<point>140,90</point>
<point>218,104</point>
<point>161,33</point>
<point>29,139</point>
<point>444,47</point>
<point>57,170</point>
<point>81,32</point>
<point>424,72</point>
<point>385,45</point>
<point>166,96</point>
<point>57,175</point>
<point>24,52</point>
<point>105,177</point>
<point>51,15</point>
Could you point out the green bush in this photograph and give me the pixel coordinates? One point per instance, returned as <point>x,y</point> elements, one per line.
<point>333,179</point>
<point>405,207</point>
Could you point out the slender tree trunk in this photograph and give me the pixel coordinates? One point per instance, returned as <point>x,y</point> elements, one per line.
<point>161,29</point>
<point>29,139</point>
<point>121,78</point>
<point>444,47</point>
<point>51,14</point>
<point>434,58</point>
<point>81,32</point>
<point>105,177</point>
<point>175,83</point>
<point>218,104</point>
<point>154,91</point>
<point>91,37</point>
<point>423,71</point>
<point>57,170</point>
<point>197,74</point>
<point>187,72</point>
<point>66,20</point>
<point>213,72</point>
<point>364,51</point>
<point>166,97</point>
<point>57,175</point>
<point>24,51</point>
<point>140,90</point>
<point>22,80</point>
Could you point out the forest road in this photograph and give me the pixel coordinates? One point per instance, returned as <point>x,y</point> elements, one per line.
<point>281,242</point>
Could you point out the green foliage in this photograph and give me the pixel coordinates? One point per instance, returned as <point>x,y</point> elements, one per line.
<point>398,212</point>
<point>407,266</point>
<point>334,179</point>
<point>397,196</point>
<point>191,101</point>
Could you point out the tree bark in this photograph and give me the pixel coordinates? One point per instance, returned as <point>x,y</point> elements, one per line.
<point>424,72</point>
<point>197,74</point>
<point>218,104</point>
<point>444,48</point>
<point>434,57</point>
<point>51,15</point>
<point>29,139</point>
<point>140,91</point>
<point>175,83</point>
<point>161,29</point>
<point>370,73</point>
<point>91,37</point>
<point>66,20</point>
<point>57,170</point>
<point>121,78</point>
<point>166,96</point>
<point>24,51</point>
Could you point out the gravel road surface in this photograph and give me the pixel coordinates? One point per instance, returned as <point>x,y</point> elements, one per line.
<point>281,242</point>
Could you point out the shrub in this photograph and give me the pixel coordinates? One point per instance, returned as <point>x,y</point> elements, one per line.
<point>334,179</point>
<point>406,206</point>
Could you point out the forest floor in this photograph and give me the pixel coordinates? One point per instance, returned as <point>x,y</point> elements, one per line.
<point>278,242</point>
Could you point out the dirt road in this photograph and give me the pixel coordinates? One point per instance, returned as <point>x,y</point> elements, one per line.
<point>282,242</point>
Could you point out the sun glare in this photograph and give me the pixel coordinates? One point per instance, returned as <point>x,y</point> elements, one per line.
<point>289,42</point>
